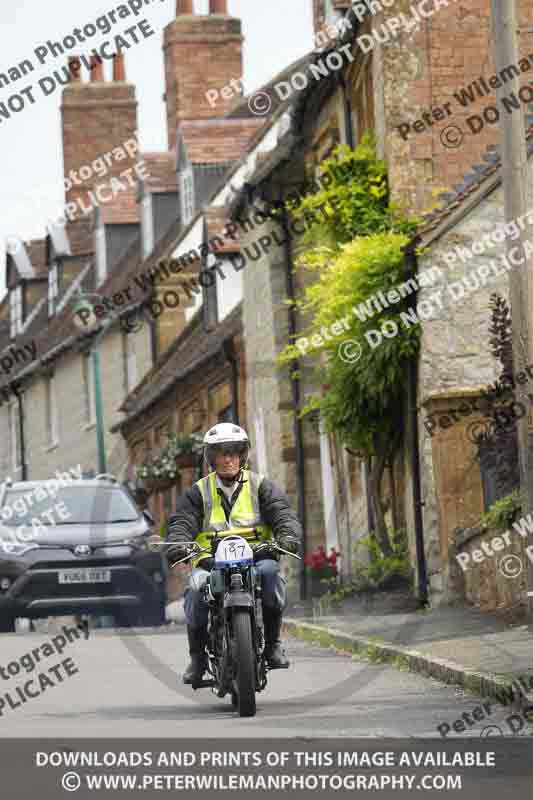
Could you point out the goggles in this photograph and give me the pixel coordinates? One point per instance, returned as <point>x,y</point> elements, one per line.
<point>236,449</point>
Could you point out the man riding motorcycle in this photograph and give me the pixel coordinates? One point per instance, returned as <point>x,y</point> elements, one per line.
<point>232,496</point>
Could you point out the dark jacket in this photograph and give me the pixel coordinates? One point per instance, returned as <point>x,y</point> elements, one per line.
<point>187,522</point>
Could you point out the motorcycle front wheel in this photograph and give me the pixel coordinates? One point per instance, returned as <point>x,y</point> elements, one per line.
<point>244,661</point>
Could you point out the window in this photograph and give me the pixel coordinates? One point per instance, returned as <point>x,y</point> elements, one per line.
<point>51,412</point>
<point>187,195</point>
<point>16,310</point>
<point>229,291</point>
<point>15,443</point>
<point>53,288</point>
<point>331,15</point>
<point>88,390</point>
<point>129,357</point>
<point>86,505</point>
<point>147,222</point>
<point>101,256</point>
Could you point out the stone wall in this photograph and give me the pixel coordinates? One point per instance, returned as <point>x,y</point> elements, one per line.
<point>455,366</point>
<point>269,391</point>
<point>76,440</point>
<point>492,583</point>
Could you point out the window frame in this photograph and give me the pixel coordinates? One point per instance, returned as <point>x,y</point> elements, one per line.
<point>16,310</point>
<point>88,391</point>
<point>53,287</point>
<point>15,442</point>
<point>187,195</point>
<point>51,413</point>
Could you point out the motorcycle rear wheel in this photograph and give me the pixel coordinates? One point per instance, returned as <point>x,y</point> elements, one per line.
<point>244,682</point>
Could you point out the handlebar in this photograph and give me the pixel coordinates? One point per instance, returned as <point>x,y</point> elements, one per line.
<point>156,544</point>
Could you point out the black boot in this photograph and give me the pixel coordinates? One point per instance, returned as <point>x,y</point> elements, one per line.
<point>197,642</point>
<point>275,655</point>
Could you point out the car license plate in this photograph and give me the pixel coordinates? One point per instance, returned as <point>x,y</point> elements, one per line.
<point>85,576</point>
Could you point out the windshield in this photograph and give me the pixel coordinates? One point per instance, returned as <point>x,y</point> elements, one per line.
<point>68,505</point>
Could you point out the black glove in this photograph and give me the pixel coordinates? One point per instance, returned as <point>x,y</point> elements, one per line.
<point>266,552</point>
<point>289,543</point>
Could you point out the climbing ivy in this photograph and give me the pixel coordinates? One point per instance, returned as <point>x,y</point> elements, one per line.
<point>353,249</point>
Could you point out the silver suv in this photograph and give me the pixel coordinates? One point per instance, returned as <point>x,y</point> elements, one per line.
<point>79,548</point>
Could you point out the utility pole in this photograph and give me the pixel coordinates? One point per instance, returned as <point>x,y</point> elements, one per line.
<point>514,167</point>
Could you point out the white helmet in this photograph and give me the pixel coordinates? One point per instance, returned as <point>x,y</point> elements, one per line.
<point>225,433</point>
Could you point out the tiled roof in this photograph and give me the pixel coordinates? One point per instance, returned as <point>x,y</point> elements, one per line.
<point>256,100</point>
<point>161,168</point>
<point>190,351</point>
<point>470,188</point>
<point>218,141</point>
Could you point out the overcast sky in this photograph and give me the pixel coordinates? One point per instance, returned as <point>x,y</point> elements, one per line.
<point>31,191</point>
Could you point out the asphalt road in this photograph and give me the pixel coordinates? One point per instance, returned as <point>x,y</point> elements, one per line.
<point>127,684</point>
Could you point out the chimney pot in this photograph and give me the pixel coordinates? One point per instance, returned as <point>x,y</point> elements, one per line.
<point>184,7</point>
<point>119,67</point>
<point>97,69</point>
<point>74,68</point>
<point>218,7</point>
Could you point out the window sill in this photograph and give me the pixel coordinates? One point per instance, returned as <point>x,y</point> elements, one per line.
<point>89,426</point>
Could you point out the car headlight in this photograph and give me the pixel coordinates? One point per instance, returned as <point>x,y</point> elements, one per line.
<point>16,548</point>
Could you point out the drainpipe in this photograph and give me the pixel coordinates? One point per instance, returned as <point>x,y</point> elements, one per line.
<point>24,466</point>
<point>348,130</point>
<point>228,348</point>
<point>412,404</point>
<point>296,400</point>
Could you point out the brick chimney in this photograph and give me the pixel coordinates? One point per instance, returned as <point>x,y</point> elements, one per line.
<point>97,116</point>
<point>201,53</point>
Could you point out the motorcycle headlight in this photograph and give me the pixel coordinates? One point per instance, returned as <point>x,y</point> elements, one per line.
<point>16,548</point>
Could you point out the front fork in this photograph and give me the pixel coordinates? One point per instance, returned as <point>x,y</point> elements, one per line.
<point>259,637</point>
<point>220,646</point>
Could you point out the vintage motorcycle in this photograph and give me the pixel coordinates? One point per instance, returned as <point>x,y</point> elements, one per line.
<point>232,590</point>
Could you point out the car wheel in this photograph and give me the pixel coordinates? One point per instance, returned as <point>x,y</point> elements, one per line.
<point>7,623</point>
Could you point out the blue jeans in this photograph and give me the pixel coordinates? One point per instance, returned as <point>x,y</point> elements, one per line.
<point>274,592</point>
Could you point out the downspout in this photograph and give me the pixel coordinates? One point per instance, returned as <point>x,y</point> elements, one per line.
<point>347,103</point>
<point>229,352</point>
<point>412,404</point>
<point>296,399</point>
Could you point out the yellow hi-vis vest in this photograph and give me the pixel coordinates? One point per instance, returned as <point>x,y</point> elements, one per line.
<point>244,514</point>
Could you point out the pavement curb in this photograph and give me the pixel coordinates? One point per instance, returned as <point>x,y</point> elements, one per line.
<point>484,684</point>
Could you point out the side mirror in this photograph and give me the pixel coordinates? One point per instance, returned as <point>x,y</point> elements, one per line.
<point>148,517</point>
